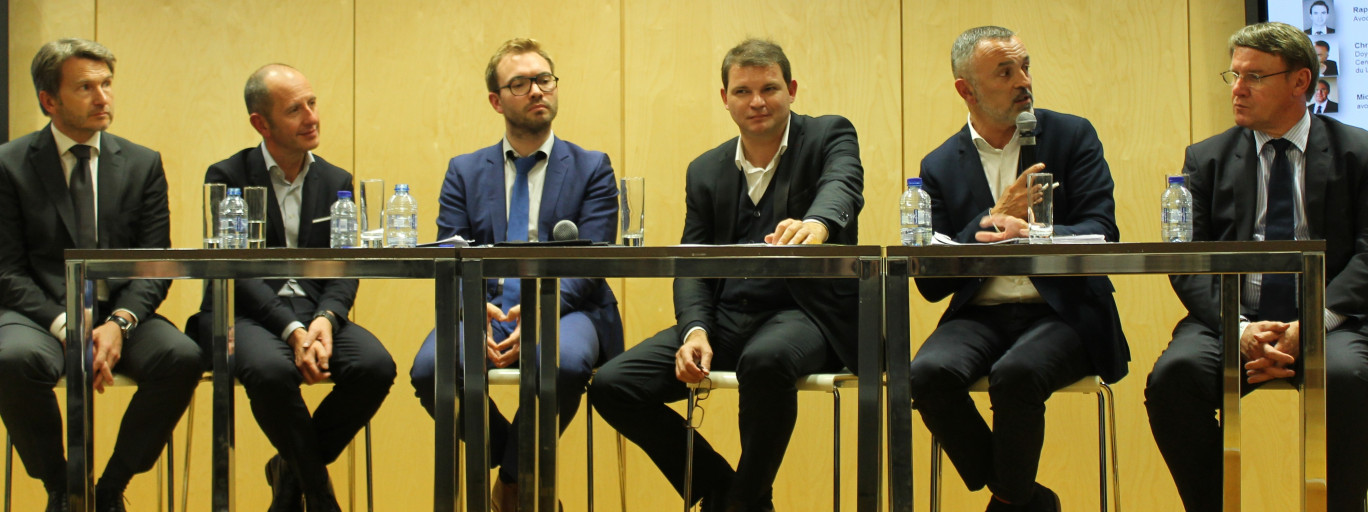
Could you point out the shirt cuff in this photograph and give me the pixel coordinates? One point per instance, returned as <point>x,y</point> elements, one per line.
<point>691,331</point>
<point>285,335</point>
<point>1332,320</point>
<point>1244,323</point>
<point>819,221</point>
<point>132,314</point>
<point>58,327</point>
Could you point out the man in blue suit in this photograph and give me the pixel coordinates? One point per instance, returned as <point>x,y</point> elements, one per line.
<point>516,190</point>
<point>1029,336</point>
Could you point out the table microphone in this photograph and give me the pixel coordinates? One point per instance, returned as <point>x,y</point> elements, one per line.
<point>564,231</point>
<point>1026,125</point>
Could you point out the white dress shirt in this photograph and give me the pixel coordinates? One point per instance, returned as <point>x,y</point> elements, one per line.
<point>289,197</point>
<point>1000,168</point>
<point>536,177</point>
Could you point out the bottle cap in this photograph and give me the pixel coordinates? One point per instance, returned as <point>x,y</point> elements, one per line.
<point>914,182</point>
<point>234,191</point>
<point>402,187</point>
<point>344,194</point>
<point>1177,179</point>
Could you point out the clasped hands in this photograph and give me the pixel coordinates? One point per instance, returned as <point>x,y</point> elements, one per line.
<point>312,349</point>
<point>1270,349</point>
<point>504,353</point>
<point>1006,218</point>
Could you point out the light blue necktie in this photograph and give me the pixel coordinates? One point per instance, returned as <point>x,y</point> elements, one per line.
<point>517,221</point>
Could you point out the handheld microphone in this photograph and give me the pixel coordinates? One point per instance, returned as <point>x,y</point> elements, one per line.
<point>1026,125</point>
<point>565,230</point>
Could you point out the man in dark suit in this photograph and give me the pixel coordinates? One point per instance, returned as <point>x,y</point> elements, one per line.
<point>72,185</point>
<point>1029,336</point>
<point>1310,176</point>
<point>490,196</point>
<point>1320,102</point>
<point>293,331</point>
<point>788,179</point>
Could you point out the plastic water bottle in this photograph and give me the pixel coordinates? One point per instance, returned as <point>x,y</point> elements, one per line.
<point>233,220</point>
<point>342,228</point>
<point>401,219</point>
<point>1176,207</point>
<point>916,215</point>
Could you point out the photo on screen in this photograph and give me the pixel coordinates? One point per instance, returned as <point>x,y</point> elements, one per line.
<point>1319,17</point>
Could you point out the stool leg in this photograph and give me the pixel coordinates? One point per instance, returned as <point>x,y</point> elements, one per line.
<point>622,470</point>
<point>935,474</point>
<point>185,468</point>
<point>589,448</point>
<point>1115,460</point>
<point>9,470</point>
<point>836,450</point>
<point>171,473</point>
<point>161,505</point>
<point>370,476</point>
<point>688,451</point>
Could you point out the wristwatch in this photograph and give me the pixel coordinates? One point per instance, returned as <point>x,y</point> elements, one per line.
<point>332,318</point>
<point>125,325</point>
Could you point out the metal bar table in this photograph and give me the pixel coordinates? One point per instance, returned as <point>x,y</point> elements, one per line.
<point>221,267</point>
<point>540,268</point>
<point>1228,259</point>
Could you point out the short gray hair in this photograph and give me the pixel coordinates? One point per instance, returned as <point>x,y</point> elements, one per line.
<point>47,64</point>
<point>1285,41</point>
<point>963,50</point>
<point>256,94</point>
<point>753,53</point>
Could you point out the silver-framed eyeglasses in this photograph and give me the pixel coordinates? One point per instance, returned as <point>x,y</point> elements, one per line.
<point>1251,79</point>
<point>521,85</point>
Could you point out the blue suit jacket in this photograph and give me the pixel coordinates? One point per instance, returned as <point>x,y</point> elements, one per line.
<point>579,187</point>
<point>1068,146</point>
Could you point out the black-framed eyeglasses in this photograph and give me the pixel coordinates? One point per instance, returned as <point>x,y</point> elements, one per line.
<point>1251,79</point>
<point>701,393</point>
<point>521,85</point>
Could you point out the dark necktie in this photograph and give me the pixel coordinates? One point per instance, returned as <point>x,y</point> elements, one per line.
<point>83,197</point>
<point>517,220</point>
<point>1278,292</point>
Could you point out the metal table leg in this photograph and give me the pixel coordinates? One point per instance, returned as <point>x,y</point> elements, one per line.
<point>1312,392</point>
<point>224,444</point>
<point>899,353</point>
<point>1231,375</point>
<point>548,413</point>
<point>446,458</point>
<point>476,397</point>
<point>80,409</point>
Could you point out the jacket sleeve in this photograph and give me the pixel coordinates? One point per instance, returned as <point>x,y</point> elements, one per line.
<point>152,231</point>
<point>18,290</point>
<point>597,221</point>
<point>840,187</point>
<point>695,300</point>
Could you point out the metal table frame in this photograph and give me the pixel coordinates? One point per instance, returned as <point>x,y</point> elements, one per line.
<point>542,267</point>
<point>1229,259</point>
<point>221,267</point>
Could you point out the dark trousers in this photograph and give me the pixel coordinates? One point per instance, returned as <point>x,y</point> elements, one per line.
<point>164,362</point>
<point>362,373</point>
<point>1184,392</point>
<point>1027,351</point>
<point>769,352</point>
<point>579,352</point>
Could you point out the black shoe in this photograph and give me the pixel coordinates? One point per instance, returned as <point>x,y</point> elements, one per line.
<point>1044,500</point>
<point>286,495</point>
<point>109,501</point>
<point>57,502</point>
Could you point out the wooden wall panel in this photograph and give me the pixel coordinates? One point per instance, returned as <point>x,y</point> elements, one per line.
<point>401,91</point>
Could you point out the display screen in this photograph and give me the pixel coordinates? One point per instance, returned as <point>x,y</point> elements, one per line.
<point>1339,33</point>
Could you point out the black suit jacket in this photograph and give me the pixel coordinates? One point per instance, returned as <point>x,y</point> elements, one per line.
<point>818,176</point>
<point>1331,68</point>
<point>1223,178</point>
<point>953,176</point>
<point>1330,107</point>
<point>1328,30</point>
<point>38,223</point>
<point>256,298</point>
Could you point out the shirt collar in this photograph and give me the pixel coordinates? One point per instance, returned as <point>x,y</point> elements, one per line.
<point>783,146</point>
<point>1297,134</point>
<point>982,143</point>
<point>64,143</point>
<point>279,174</point>
<point>545,148</point>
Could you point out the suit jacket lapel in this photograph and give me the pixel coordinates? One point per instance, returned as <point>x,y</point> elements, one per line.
<point>783,173</point>
<point>43,158</point>
<point>493,192</point>
<point>972,168</point>
<point>724,202</point>
<point>258,176</point>
<point>1319,166</point>
<point>312,203</point>
<point>551,186</point>
<point>1244,171</point>
<point>112,182</point>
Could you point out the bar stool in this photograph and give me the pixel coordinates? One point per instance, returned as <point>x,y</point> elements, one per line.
<point>351,458</point>
<point>824,382</point>
<point>1106,432</point>
<point>168,484</point>
<point>512,377</point>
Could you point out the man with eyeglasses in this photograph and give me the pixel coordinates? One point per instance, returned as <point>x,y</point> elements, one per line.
<point>1028,336</point>
<point>1281,173</point>
<point>517,190</point>
<point>787,179</point>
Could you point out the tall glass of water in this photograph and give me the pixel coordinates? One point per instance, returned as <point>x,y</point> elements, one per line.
<point>371,206</point>
<point>256,216</point>
<point>1041,213</point>
<point>632,206</point>
<point>213,195</point>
